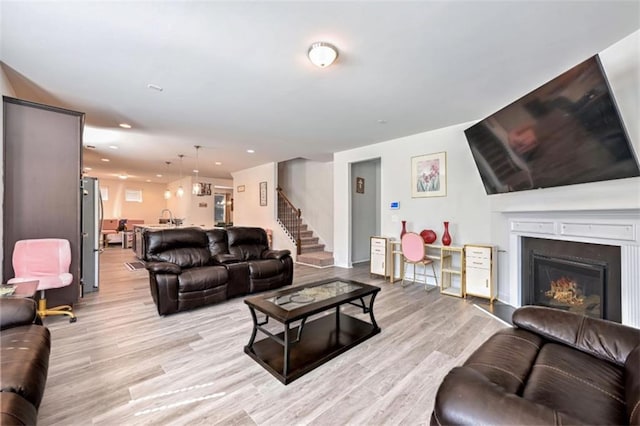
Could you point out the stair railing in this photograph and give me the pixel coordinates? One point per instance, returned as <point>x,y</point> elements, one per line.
<point>290,217</point>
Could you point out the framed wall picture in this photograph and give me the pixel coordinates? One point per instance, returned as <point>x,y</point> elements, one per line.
<point>429,175</point>
<point>263,193</point>
<point>360,185</point>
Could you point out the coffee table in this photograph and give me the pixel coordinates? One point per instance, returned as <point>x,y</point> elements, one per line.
<point>24,289</point>
<point>296,351</point>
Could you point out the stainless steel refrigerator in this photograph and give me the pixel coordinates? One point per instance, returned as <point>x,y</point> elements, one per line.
<point>91,234</point>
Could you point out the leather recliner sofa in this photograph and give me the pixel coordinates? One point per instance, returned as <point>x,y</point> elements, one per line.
<point>191,267</point>
<point>553,368</point>
<point>25,346</point>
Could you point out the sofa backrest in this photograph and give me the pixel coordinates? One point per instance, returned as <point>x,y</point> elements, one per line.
<point>186,247</point>
<point>247,243</point>
<point>218,242</point>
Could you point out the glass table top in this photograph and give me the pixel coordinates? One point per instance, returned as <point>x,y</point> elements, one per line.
<point>308,295</point>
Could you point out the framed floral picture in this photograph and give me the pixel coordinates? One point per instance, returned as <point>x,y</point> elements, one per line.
<point>429,175</point>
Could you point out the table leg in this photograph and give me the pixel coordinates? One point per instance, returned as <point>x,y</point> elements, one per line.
<point>285,366</point>
<point>337,323</point>
<point>373,319</point>
<point>254,332</point>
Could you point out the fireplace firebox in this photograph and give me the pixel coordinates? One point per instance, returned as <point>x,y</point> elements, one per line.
<point>578,277</point>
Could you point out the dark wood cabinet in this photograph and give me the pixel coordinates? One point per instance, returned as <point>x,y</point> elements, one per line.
<point>42,172</point>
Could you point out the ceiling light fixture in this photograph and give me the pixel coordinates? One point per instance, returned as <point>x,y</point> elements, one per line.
<point>167,192</point>
<point>180,191</point>
<point>125,125</point>
<point>106,160</point>
<point>250,151</point>
<point>155,87</point>
<point>218,163</point>
<point>113,147</point>
<point>322,54</point>
<point>196,190</point>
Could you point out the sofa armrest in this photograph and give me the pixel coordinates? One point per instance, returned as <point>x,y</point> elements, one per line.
<point>275,254</point>
<point>163,268</point>
<point>225,258</point>
<point>17,311</point>
<point>466,396</point>
<point>603,339</point>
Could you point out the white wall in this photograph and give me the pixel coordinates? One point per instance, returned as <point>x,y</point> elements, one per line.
<point>247,209</point>
<point>203,216</point>
<point>466,206</point>
<point>6,90</point>
<point>309,186</point>
<point>117,208</point>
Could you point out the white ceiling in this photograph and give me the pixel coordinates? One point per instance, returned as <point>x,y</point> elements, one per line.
<point>235,74</point>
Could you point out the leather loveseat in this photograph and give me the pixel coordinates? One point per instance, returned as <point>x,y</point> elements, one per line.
<point>24,352</point>
<point>191,267</point>
<point>552,368</point>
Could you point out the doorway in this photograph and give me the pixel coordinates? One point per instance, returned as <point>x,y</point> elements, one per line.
<point>365,207</point>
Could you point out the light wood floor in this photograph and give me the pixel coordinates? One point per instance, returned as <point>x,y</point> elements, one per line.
<point>121,363</point>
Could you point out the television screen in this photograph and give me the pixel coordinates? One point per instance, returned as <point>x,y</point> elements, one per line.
<point>565,132</point>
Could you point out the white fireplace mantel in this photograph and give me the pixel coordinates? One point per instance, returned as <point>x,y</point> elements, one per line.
<point>611,227</point>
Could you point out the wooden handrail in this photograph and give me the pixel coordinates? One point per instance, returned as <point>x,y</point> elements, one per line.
<point>290,216</point>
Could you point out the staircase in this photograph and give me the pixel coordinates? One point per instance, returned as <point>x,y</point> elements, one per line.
<point>309,250</point>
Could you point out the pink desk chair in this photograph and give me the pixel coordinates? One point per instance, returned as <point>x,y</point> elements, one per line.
<point>414,253</point>
<point>46,261</point>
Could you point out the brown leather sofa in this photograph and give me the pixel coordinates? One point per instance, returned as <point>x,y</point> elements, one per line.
<point>552,368</point>
<point>191,267</point>
<point>24,353</point>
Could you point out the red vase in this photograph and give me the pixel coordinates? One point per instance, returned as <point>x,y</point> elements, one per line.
<point>404,229</point>
<point>428,236</point>
<point>446,237</point>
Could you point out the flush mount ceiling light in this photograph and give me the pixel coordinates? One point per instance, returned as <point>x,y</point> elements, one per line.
<point>322,54</point>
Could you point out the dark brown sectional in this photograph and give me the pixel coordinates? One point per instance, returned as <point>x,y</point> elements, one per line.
<point>192,267</point>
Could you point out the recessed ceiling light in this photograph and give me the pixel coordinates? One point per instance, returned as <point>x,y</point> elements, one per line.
<point>125,125</point>
<point>250,151</point>
<point>148,180</point>
<point>123,177</point>
<point>88,168</point>
<point>106,160</point>
<point>218,163</point>
<point>382,121</point>
<point>196,171</point>
<point>158,175</point>
<point>113,147</point>
<point>155,87</point>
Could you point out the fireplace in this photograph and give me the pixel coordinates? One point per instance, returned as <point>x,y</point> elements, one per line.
<point>574,276</point>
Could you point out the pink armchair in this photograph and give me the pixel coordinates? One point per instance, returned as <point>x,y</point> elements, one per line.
<point>46,261</point>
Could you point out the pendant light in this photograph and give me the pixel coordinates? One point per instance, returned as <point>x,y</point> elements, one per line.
<point>196,190</point>
<point>167,192</point>
<point>180,191</point>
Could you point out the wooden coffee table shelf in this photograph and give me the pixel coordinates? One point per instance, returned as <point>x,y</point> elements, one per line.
<point>296,351</point>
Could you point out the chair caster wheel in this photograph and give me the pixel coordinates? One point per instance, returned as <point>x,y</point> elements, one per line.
<point>73,319</point>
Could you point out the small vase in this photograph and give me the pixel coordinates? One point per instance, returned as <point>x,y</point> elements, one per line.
<point>446,237</point>
<point>428,236</point>
<point>404,229</point>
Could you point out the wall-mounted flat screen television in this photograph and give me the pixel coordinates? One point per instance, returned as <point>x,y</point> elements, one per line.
<point>567,131</point>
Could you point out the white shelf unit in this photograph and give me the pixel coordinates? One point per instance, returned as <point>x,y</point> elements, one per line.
<point>481,270</point>
<point>452,271</point>
<point>379,255</point>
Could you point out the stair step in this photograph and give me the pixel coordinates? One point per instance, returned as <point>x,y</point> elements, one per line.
<point>318,258</point>
<point>308,248</point>
<point>306,234</point>
<point>305,241</point>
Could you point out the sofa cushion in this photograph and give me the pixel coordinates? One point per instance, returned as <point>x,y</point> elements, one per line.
<point>506,358</point>
<point>632,386</point>
<point>247,243</point>
<point>578,384</point>
<point>265,268</point>
<point>15,410</point>
<point>25,361</point>
<point>218,243</point>
<point>203,278</point>
<point>186,247</point>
